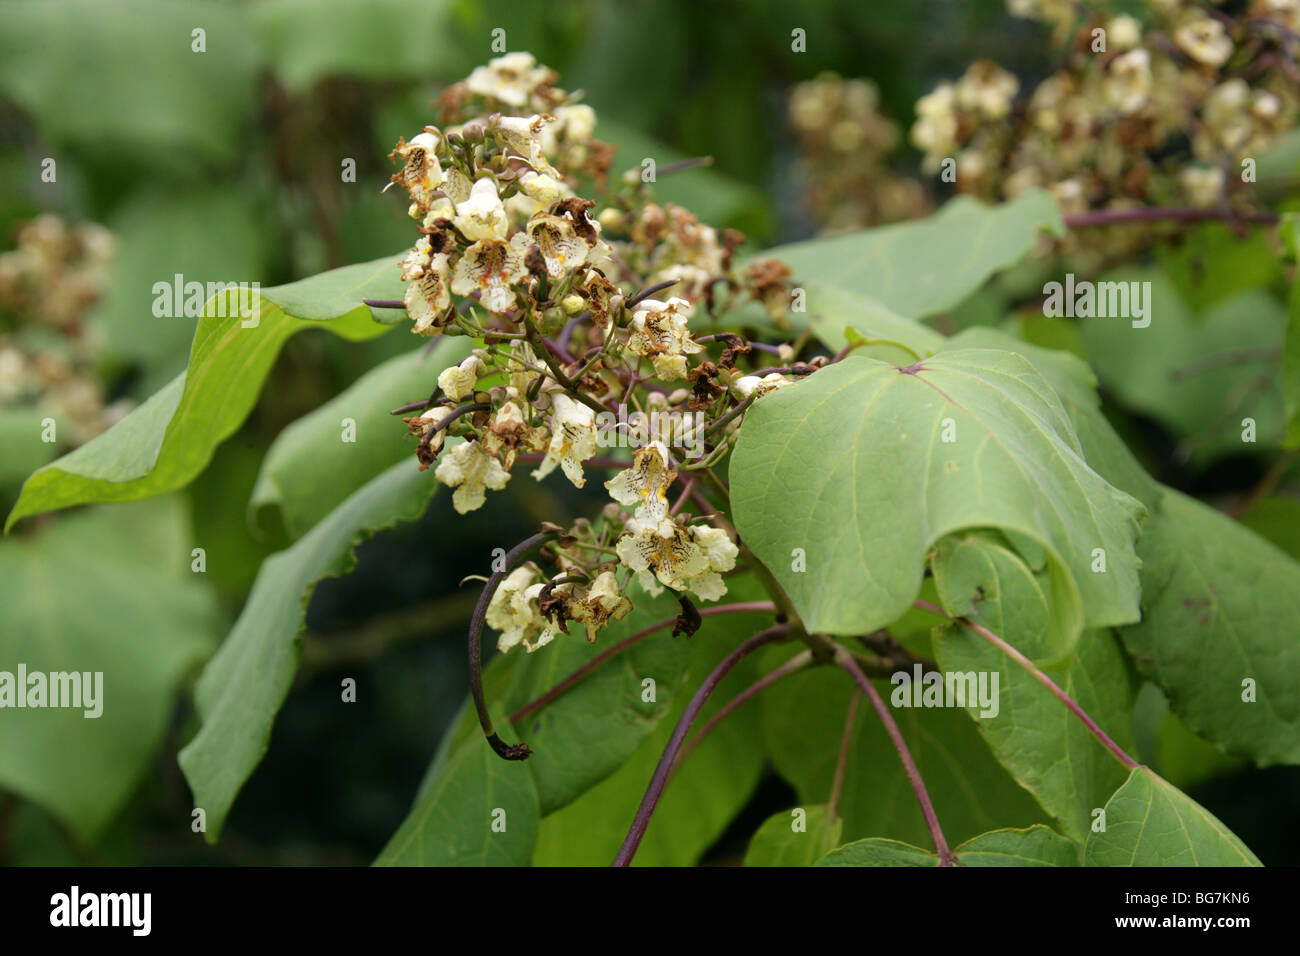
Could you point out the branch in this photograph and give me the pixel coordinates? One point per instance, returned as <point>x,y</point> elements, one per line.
<point>798,662</point>
<point>1039,676</point>
<point>845,660</point>
<point>591,665</point>
<point>1105,217</point>
<point>665,765</point>
<point>837,784</point>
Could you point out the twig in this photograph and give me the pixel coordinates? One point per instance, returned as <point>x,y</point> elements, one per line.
<point>669,756</point>
<point>1105,217</point>
<point>1039,676</point>
<point>837,783</point>
<point>614,649</point>
<point>845,660</point>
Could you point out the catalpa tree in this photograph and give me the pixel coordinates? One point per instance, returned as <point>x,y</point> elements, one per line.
<point>906,562</point>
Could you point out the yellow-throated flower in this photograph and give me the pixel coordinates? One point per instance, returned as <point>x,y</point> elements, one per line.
<point>470,470</point>
<point>645,485</point>
<point>573,439</point>
<point>490,267</point>
<point>660,333</point>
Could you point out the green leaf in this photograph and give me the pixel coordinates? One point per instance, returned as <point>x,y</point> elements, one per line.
<point>1033,735</point>
<point>168,440</point>
<point>245,683</point>
<point>1034,846</point>
<point>230,247</point>
<point>1199,376</point>
<point>779,843</point>
<point>1291,343</point>
<point>307,40</point>
<point>20,437</point>
<point>803,721</point>
<point>918,269</point>
<point>185,104</point>
<point>832,311</point>
<point>1219,606</point>
<point>1076,387</point>
<point>479,810</point>
<point>850,466</point>
<point>1213,261</point>
<point>1150,823</point>
<point>106,591</point>
<point>589,732</point>
<point>309,469</point>
<point>705,793</point>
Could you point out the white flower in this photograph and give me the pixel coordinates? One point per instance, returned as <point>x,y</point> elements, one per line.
<point>511,78</point>
<point>645,485</point>
<point>660,333</point>
<point>576,122</point>
<point>560,247</point>
<point>490,267</point>
<point>1203,185</point>
<point>541,187</point>
<point>427,299</point>
<point>1124,32</point>
<point>573,439</point>
<point>459,380</point>
<point>510,431</point>
<point>421,173</point>
<point>513,609</point>
<point>1129,82</point>
<point>748,385</point>
<point>987,88</point>
<point>469,469</point>
<point>482,215</point>
<point>682,558</point>
<point>1205,41</point>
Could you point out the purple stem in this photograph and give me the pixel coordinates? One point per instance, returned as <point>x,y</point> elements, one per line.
<point>845,660</point>
<point>1039,676</point>
<point>1105,217</point>
<point>665,766</point>
<point>591,665</point>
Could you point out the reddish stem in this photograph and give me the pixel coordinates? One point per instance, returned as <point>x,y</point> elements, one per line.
<point>665,766</point>
<point>591,665</point>
<point>845,660</point>
<point>1039,676</point>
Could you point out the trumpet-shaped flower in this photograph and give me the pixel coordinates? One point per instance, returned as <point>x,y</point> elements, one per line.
<point>482,215</point>
<point>560,247</point>
<point>459,380</point>
<point>470,469</point>
<point>645,485</point>
<point>573,439</point>
<point>601,604</point>
<point>490,267</point>
<point>427,299</point>
<point>677,556</point>
<point>660,333</point>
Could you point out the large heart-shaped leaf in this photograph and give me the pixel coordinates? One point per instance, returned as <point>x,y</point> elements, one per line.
<point>1151,823</point>
<point>168,440</point>
<point>311,466</point>
<point>842,482</point>
<point>108,591</point>
<point>1220,619</point>
<point>921,268</point>
<point>245,683</point>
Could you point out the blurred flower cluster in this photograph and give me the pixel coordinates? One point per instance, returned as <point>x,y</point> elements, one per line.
<point>845,144</point>
<point>583,321</point>
<point>48,283</point>
<point>1158,113</point>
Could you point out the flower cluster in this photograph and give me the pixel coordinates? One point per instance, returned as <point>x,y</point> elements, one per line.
<point>570,329</point>
<point>47,285</point>
<point>1166,113</point>
<point>845,143</point>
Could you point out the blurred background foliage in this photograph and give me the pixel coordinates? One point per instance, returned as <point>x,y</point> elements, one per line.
<point>226,165</point>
